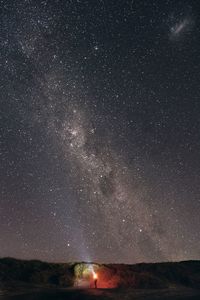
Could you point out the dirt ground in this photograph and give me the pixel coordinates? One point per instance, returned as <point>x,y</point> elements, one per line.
<point>106,294</point>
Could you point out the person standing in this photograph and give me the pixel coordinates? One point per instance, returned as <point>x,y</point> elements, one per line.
<point>95,280</point>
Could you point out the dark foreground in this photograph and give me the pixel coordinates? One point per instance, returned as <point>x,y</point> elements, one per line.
<point>90,294</point>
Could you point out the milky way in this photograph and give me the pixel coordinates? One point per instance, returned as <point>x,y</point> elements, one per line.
<point>99,131</point>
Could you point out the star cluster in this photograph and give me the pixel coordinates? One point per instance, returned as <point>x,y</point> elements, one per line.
<point>99,130</point>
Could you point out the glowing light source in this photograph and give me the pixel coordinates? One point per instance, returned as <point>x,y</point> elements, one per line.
<point>95,275</point>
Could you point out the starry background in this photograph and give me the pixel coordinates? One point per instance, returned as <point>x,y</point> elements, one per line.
<point>100,130</point>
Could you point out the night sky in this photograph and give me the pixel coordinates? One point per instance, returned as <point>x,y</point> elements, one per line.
<point>100,130</point>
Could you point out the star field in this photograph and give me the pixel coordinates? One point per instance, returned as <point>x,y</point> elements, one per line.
<point>99,130</point>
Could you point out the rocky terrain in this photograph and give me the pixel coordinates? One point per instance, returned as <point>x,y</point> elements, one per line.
<point>19,277</point>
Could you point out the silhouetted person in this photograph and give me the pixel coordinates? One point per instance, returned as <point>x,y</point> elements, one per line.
<point>95,280</point>
<point>95,283</point>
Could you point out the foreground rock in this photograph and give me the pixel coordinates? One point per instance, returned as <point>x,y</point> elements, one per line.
<point>15,274</point>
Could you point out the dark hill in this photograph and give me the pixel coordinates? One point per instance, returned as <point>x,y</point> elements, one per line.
<point>145,275</point>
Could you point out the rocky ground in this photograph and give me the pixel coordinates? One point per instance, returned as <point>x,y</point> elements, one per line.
<point>36,280</point>
<point>14,273</point>
<point>106,294</point>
